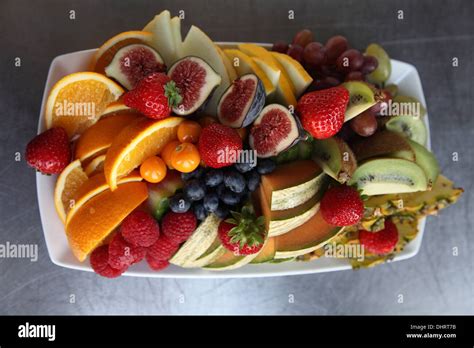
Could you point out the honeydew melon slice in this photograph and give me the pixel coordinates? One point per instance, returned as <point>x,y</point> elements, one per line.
<point>215,251</point>
<point>298,76</point>
<point>243,65</point>
<point>163,38</point>
<point>199,242</point>
<point>306,238</point>
<point>198,44</point>
<point>176,32</point>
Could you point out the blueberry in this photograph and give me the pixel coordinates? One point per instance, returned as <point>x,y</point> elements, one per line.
<point>222,211</point>
<point>265,166</point>
<point>195,174</point>
<point>211,202</point>
<point>214,177</point>
<point>253,180</point>
<point>230,198</point>
<point>244,167</point>
<point>200,211</point>
<point>179,203</point>
<point>234,181</point>
<point>221,189</point>
<point>195,190</point>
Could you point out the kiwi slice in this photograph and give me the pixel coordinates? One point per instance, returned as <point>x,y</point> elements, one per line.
<point>410,127</point>
<point>383,143</point>
<point>415,103</point>
<point>335,157</point>
<point>361,97</point>
<point>384,68</point>
<point>389,175</point>
<point>392,89</point>
<point>427,161</point>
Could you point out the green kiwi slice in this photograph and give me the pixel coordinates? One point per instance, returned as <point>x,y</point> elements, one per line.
<point>361,97</point>
<point>335,157</point>
<point>410,127</point>
<point>389,175</point>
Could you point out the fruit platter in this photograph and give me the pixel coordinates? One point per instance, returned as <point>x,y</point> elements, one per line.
<point>169,155</point>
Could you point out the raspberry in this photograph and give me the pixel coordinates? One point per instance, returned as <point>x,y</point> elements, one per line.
<point>342,206</point>
<point>123,254</point>
<point>140,229</point>
<point>156,265</point>
<point>179,226</point>
<point>100,263</point>
<point>381,242</point>
<point>163,249</point>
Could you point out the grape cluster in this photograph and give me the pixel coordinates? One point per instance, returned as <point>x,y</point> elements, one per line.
<point>329,64</point>
<point>218,191</point>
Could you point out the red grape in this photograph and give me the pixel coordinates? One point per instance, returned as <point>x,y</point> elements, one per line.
<point>331,81</point>
<point>295,52</point>
<point>280,46</point>
<point>303,37</point>
<point>370,64</point>
<point>335,46</point>
<point>364,124</point>
<point>354,76</point>
<point>314,54</point>
<point>350,60</point>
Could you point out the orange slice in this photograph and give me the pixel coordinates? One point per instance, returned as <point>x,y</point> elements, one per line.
<point>99,137</point>
<point>115,107</point>
<point>68,183</point>
<point>78,100</point>
<point>107,51</point>
<point>243,64</point>
<point>99,216</point>
<point>95,166</point>
<point>135,143</point>
<point>94,186</point>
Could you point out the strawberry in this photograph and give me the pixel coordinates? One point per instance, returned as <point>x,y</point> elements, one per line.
<point>244,234</point>
<point>178,227</point>
<point>162,249</point>
<point>342,206</point>
<point>49,152</point>
<point>322,112</point>
<point>219,145</point>
<point>154,96</point>
<point>381,242</point>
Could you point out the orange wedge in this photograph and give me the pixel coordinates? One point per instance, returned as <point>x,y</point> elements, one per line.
<point>78,100</point>
<point>99,216</point>
<point>95,166</point>
<point>135,143</point>
<point>115,107</point>
<point>243,64</point>
<point>99,137</point>
<point>295,71</point>
<point>68,183</point>
<point>107,51</point>
<point>95,185</point>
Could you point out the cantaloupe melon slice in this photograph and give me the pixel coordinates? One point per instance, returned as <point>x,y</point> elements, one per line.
<point>267,253</point>
<point>176,32</point>
<point>243,64</point>
<point>305,238</point>
<point>295,71</point>
<point>163,39</point>
<point>198,44</point>
<point>293,184</point>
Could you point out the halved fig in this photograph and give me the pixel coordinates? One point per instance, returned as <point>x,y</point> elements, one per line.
<point>241,103</point>
<point>196,81</point>
<point>274,131</point>
<point>132,63</point>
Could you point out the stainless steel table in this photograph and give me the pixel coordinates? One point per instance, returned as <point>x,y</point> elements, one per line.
<point>430,34</point>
